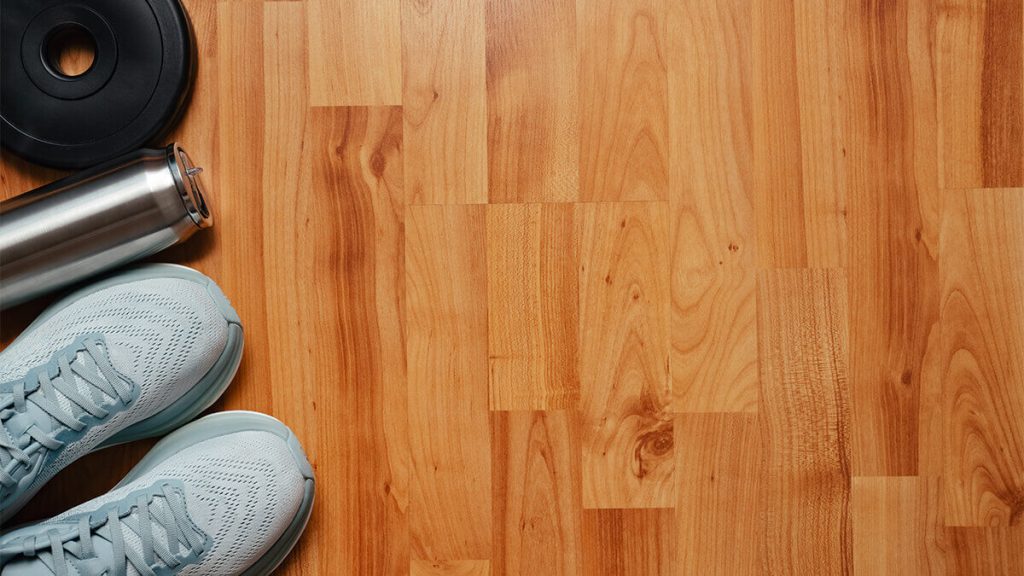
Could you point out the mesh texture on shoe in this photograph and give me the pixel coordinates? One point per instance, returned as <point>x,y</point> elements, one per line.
<point>242,489</point>
<point>163,333</point>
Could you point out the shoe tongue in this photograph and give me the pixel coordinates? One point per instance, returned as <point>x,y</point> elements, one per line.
<point>36,415</point>
<point>102,550</point>
<point>120,357</point>
<point>16,426</point>
<point>19,423</point>
<point>102,539</point>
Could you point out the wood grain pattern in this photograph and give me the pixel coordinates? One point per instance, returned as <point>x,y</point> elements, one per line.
<point>444,99</point>
<point>805,400</point>
<point>625,391</point>
<point>777,153</point>
<point>898,528</point>
<point>982,90</point>
<point>982,357</point>
<point>532,130</point>
<point>623,100</point>
<point>713,228</point>
<point>711,173</point>
<point>818,41</point>
<point>446,284</point>
<point>894,528</point>
<point>714,341</point>
<point>537,485</point>
<point>533,302</point>
<point>460,568</point>
<point>356,212</point>
<point>893,205</point>
<point>355,52</point>
<point>238,180</point>
<point>287,170</point>
<point>629,542</point>
<point>718,514</point>
<point>985,551</point>
<point>619,287</point>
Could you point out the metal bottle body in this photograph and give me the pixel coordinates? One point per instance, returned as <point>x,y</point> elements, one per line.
<point>121,211</point>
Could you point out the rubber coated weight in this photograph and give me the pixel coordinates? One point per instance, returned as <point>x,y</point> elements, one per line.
<point>131,95</point>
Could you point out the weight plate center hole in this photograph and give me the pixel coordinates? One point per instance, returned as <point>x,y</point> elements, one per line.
<point>69,51</point>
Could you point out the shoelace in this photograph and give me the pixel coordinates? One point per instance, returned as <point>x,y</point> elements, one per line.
<point>41,390</point>
<point>166,508</point>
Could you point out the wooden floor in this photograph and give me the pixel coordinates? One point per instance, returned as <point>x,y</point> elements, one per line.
<point>603,287</point>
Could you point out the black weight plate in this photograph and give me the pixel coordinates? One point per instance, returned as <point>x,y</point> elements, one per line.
<point>131,95</point>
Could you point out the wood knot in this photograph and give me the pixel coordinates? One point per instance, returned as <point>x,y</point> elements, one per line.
<point>658,443</point>
<point>651,449</point>
<point>1016,503</point>
<point>377,163</point>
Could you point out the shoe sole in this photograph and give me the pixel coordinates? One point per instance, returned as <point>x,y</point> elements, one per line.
<point>222,424</point>
<point>200,397</point>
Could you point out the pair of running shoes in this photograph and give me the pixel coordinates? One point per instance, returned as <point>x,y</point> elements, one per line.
<point>137,355</point>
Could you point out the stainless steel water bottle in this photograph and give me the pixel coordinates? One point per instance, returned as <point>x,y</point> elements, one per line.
<point>120,211</point>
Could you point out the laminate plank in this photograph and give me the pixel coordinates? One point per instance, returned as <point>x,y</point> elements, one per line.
<point>817,33</point>
<point>712,174</point>
<point>778,195</point>
<point>629,542</point>
<point>456,568</point>
<point>237,174</point>
<point>288,282</point>
<point>898,529</point>
<point>444,95</point>
<point>626,393</point>
<point>536,490</point>
<point>982,89</point>
<point>347,271</point>
<point>532,130</point>
<point>446,287</point>
<point>895,524</point>
<point>985,551</point>
<point>355,53</point>
<point>982,356</point>
<point>713,227</point>
<point>805,421</point>
<point>533,307</point>
<point>714,341</point>
<point>623,99</point>
<point>893,204</point>
<point>720,477</point>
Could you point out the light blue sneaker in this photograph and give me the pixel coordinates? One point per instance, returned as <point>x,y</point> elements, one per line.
<point>228,494</point>
<point>133,356</point>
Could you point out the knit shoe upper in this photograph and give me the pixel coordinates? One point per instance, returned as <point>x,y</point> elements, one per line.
<point>219,496</point>
<point>104,360</point>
